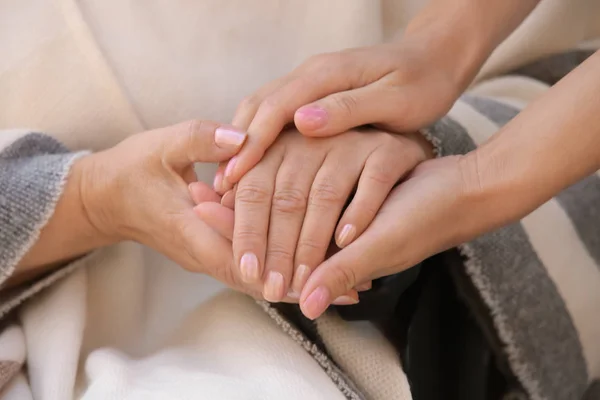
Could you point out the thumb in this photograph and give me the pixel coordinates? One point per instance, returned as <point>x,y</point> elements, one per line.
<point>342,111</point>
<point>199,141</point>
<point>337,275</point>
<point>218,217</point>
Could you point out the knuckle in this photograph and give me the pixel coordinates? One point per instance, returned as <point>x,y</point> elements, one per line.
<point>363,210</point>
<point>253,193</point>
<point>325,194</point>
<point>279,254</point>
<point>194,128</point>
<point>251,102</point>
<point>227,275</point>
<point>318,61</point>
<point>289,201</point>
<point>346,103</point>
<point>190,136</point>
<point>343,277</point>
<point>248,235</point>
<point>381,174</point>
<point>310,247</point>
<point>273,104</point>
<point>326,63</point>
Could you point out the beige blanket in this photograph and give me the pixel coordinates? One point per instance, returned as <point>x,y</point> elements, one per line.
<point>93,72</point>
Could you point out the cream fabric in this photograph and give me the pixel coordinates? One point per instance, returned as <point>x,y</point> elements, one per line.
<point>91,73</point>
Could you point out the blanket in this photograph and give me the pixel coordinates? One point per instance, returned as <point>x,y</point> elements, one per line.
<point>115,324</point>
<point>90,73</point>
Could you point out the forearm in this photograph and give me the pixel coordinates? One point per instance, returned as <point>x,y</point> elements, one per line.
<point>68,233</point>
<point>465,32</point>
<point>551,145</point>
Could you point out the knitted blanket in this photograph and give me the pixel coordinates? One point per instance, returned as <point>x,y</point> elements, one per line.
<point>116,324</point>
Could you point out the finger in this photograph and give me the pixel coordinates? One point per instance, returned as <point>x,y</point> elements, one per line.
<point>337,275</point>
<point>199,141</point>
<point>220,185</point>
<point>247,108</point>
<point>201,192</point>
<point>383,169</point>
<point>278,108</point>
<point>252,209</point>
<point>330,190</point>
<point>375,103</point>
<point>228,199</point>
<point>292,187</point>
<point>189,175</point>
<point>220,219</point>
<point>216,216</point>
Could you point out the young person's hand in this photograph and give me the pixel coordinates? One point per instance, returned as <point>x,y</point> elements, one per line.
<point>400,86</point>
<point>287,208</point>
<point>453,199</point>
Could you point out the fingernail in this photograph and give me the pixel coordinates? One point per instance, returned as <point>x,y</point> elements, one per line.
<point>345,301</point>
<point>346,235</point>
<point>293,295</point>
<point>315,117</point>
<point>227,200</point>
<point>300,277</point>
<point>316,303</point>
<point>365,286</point>
<point>273,290</point>
<point>218,182</point>
<point>249,268</point>
<point>230,167</point>
<point>228,137</point>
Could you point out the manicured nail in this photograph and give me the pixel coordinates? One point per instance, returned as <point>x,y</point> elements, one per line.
<point>230,167</point>
<point>314,117</point>
<point>345,301</point>
<point>365,286</point>
<point>293,295</point>
<point>316,303</point>
<point>225,137</point>
<point>218,182</point>
<point>346,235</point>
<point>273,290</point>
<point>249,268</point>
<point>300,277</point>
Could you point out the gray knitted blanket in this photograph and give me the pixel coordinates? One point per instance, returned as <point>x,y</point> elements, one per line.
<point>539,280</point>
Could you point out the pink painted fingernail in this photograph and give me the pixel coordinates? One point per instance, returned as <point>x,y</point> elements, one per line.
<point>300,277</point>
<point>316,303</point>
<point>314,117</point>
<point>345,301</point>
<point>218,182</point>
<point>364,287</point>
<point>346,235</point>
<point>273,290</point>
<point>225,137</point>
<point>230,167</point>
<point>249,268</point>
<point>293,295</point>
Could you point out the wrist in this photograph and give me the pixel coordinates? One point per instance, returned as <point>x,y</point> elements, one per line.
<point>97,198</point>
<point>496,189</point>
<point>452,42</point>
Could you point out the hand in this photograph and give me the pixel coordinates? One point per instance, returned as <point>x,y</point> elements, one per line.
<point>138,190</point>
<point>436,208</point>
<point>399,86</point>
<point>288,206</point>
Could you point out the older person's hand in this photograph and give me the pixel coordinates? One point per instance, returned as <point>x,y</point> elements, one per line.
<point>288,206</point>
<point>138,190</point>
